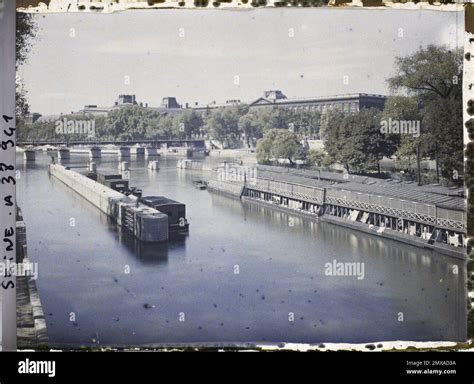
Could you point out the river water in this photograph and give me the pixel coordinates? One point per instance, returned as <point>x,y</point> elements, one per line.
<point>244,273</point>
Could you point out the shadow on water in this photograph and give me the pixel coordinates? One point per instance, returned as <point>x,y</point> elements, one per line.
<point>149,253</point>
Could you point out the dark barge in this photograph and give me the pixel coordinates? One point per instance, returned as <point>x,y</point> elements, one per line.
<point>115,182</point>
<point>176,211</point>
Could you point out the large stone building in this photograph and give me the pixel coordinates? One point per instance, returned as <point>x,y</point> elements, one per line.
<point>346,103</point>
<point>271,98</point>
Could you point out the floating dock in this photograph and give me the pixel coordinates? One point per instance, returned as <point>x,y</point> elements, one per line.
<point>427,216</point>
<point>175,211</point>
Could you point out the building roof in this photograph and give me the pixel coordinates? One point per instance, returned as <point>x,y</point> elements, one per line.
<point>272,97</point>
<point>321,99</point>
<point>440,196</point>
<point>266,101</point>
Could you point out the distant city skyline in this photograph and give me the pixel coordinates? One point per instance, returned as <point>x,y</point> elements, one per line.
<point>211,55</point>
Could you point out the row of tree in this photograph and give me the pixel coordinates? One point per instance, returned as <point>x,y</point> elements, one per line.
<point>430,99</point>
<point>232,126</point>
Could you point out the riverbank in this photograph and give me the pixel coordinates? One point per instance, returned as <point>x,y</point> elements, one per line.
<point>31,323</point>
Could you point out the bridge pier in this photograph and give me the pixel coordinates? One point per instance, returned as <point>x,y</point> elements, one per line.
<point>123,166</point>
<point>29,155</point>
<point>95,153</point>
<point>124,152</point>
<point>151,151</point>
<point>153,165</point>
<point>139,151</point>
<point>64,154</point>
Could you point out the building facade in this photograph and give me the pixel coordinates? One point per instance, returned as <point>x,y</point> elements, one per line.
<point>346,103</point>
<point>350,103</point>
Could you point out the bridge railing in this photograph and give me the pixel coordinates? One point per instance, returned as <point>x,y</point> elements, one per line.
<point>381,201</point>
<point>415,211</point>
<point>451,219</point>
<point>105,141</point>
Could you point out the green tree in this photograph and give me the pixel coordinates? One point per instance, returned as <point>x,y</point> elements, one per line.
<point>318,158</point>
<point>333,134</point>
<point>444,119</point>
<point>357,142</point>
<point>433,75</point>
<point>287,146</point>
<point>130,122</point>
<point>223,124</point>
<point>330,120</point>
<point>189,124</point>
<point>26,29</point>
<point>162,126</point>
<point>267,118</point>
<point>279,144</point>
<point>250,127</point>
<point>265,146</point>
<point>403,108</point>
<point>430,72</point>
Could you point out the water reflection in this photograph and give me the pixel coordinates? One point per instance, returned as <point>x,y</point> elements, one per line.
<point>281,258</point>
<point>152,253</point>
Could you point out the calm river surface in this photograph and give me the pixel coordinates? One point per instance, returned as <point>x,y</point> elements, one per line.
<point>281,273</point>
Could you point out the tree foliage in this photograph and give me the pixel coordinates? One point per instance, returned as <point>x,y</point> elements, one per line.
<point>355,140</point>
<point>223,124</point>
<point>433,77</point>
<point>430,72</point>
<point>280,144</point>
<point>26,29</point>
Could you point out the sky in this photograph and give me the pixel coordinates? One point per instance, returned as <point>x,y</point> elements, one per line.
<point>218,55</point>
